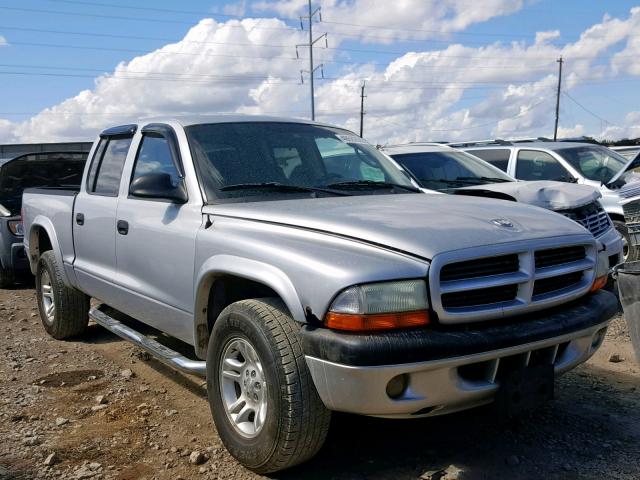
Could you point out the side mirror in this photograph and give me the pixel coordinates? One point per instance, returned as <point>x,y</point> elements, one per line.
<point>158,186</point>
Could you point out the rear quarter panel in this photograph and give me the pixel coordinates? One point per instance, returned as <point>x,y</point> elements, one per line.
<point>51,211</point>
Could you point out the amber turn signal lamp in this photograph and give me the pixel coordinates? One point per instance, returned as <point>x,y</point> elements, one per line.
<point>599,283</point>
<point>380,321</point>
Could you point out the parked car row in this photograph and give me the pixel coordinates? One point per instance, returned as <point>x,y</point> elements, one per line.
<point>442,168</point>
<point>581,163</point>
<point>313,273</point>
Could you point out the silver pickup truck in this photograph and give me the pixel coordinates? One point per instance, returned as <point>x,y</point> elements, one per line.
<point>310,276</point>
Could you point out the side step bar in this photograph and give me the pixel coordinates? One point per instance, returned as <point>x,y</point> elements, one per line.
<point>164,354</point>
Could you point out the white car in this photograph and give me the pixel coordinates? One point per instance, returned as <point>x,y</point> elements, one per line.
<point>444,169</point>
<point>574,162</point>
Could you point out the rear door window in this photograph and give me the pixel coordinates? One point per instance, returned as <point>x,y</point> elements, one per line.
<point>498,157</point>
<point>537,165</point>
<point>108,172</point>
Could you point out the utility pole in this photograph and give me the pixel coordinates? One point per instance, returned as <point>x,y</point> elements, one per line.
<point>312,42</point>
<point>555,130</point>
<point>362,97</point>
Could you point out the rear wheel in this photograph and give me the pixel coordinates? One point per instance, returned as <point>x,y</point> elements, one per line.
<point>6,277</point>
<point>263,401</point>
<point>64,311</point>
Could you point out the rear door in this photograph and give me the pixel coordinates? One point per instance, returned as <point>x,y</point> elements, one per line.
<point>534,165</point>
<point>94,216</point>
<point>498,157</point>
<point>155,244</point>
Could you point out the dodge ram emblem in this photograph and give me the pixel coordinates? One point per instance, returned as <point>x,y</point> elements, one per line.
<point>502,222</point>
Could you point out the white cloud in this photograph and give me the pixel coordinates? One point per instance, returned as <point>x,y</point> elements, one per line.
<point>6,131</point>
<point>458,92</point>
<point>403,19</point>
<point>237,9</point>
<point>3,41</point>
<point>200,74</point>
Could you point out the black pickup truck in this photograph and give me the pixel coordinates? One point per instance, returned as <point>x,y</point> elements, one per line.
<point>46,169</point>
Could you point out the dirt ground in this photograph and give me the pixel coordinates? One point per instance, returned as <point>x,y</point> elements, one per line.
<point>99,408</point>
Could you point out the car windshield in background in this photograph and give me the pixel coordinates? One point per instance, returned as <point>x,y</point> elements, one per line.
<point>447,170</point>
<point>268,159</point>
<point>594,162</point>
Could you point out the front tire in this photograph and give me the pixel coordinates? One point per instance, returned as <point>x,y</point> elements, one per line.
<point>64,311</point>
<point>262,398</point>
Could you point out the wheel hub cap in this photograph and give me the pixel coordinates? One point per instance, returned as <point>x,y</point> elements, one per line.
<point>48,302</point>
<point>243,387</point>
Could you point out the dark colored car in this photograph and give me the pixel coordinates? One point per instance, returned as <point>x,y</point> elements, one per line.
<point>47,169</point>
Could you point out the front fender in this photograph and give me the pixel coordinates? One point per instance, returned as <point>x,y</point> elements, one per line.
<point>220,265</point>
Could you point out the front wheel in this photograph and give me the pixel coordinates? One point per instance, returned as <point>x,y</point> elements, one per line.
<point>263,401</point>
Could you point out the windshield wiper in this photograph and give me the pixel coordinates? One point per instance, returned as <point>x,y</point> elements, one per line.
<point>279,187</point>
<point>566,179</point>
<point>371,184</point>
<point>484,179</point>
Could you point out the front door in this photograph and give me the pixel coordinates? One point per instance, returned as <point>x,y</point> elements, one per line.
<point>156,250</point>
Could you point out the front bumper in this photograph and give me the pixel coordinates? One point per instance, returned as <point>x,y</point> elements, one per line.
<point>612,242</point>
<point>12,253</point>
<point>453,369</point>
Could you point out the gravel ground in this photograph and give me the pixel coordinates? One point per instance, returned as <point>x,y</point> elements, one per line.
<point>99,408</point>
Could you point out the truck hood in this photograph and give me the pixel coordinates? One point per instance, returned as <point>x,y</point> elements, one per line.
<point>545,194</point>
<point>422,225</point>
<point>43,169</point>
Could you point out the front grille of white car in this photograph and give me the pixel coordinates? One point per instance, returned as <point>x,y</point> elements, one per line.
<point>630,190</point>
<point>592,217</point>
<point>466,288</point>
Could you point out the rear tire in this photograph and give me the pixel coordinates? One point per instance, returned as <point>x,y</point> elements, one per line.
<point>64,311</point>
<point>296,421</point>
<point>6,277</point>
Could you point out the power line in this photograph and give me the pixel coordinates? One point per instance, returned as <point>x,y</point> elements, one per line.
<point>168,39</point>
<point>565,93</point>
<point>226,79</point>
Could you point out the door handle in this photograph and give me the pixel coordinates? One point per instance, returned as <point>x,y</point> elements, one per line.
<point>80,218</point>
<point>123,227</point>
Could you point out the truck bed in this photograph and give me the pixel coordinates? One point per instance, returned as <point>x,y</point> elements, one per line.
<point>55,206</point>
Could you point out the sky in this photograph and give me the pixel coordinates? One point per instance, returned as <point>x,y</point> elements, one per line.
<point>433,70</point>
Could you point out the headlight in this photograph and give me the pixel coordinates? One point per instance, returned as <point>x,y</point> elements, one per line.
<point>380,306</point>
<point>16,227</point>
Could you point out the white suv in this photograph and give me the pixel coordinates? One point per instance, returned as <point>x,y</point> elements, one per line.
<point>573,162</point>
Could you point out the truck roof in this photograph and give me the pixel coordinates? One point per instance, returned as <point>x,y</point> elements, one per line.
<point>188,120</point>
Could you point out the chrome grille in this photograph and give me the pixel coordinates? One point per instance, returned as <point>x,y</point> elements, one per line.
<point>630,190</point>
<point>540,275</point>
<point>592,217</point>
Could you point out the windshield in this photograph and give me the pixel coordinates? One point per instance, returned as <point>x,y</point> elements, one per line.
<point>594,162</point>
<point>266,159</point>
<point>446,170</point>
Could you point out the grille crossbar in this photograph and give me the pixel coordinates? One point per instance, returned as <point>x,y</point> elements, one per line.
<point>503,284</point>
<point>592,217</point>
